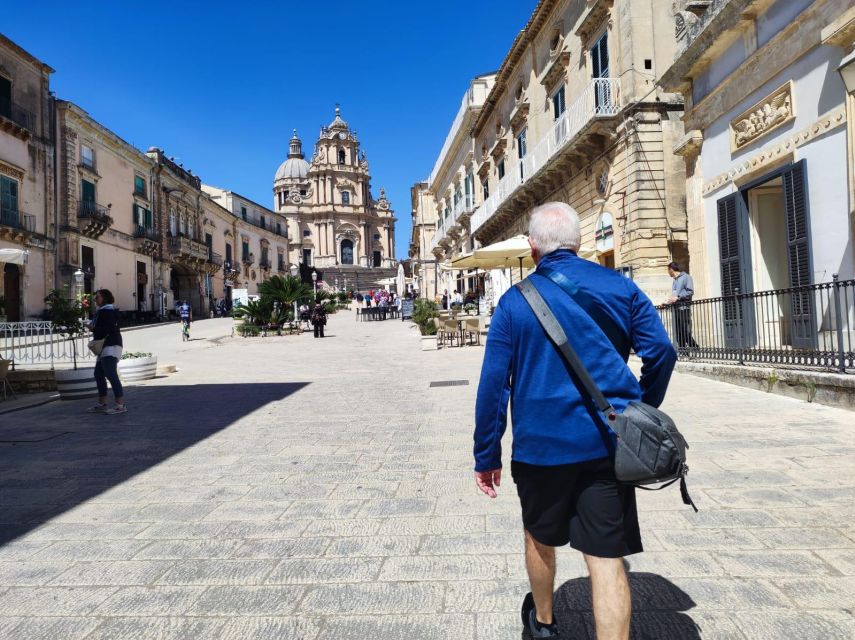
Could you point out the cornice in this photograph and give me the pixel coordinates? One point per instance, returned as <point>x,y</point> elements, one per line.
<point>86,122</point>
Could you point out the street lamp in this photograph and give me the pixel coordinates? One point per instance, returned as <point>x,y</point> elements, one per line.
<point>294,271</point>
<point>847,72</point>
<point>315,283</point>
<point>78,282</point>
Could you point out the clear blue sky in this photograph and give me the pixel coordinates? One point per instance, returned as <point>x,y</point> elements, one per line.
<point>220,85</point>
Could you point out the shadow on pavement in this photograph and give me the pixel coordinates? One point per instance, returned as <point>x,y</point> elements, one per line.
<point>55,457</point>
<point>657,609</point>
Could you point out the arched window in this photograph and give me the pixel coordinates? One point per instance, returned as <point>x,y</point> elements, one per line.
<point>182,224</point>
<point>173,223</point>
<point>341,156</point>
<point>345,197</point>
<point>347,251</point>
<point>604,233</point>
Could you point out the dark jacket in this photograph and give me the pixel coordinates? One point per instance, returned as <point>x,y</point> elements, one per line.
<point>106,325</point>
<point>552,422</point>
<point>319,314</point>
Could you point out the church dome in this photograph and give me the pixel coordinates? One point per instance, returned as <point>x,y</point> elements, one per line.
<point>295,167</point>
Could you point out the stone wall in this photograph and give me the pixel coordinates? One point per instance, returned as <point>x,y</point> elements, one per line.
<point>25,381</point>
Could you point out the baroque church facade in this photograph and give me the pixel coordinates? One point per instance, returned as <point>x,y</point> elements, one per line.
<point>334,221</point>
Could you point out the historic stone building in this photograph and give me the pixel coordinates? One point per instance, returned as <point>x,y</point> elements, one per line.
<point>423,261</point>
<point>27,203</point>
<point>335,224</point>
<point>575,115</point>
<point>770,133</point>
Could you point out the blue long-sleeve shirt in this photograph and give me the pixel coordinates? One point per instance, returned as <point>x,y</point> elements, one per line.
<point>552,422</point>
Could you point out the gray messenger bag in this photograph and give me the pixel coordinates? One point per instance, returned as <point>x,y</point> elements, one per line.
<point>650,450</point>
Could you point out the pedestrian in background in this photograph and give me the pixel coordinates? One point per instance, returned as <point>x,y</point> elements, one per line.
<point>319,319</point>
<point>105,326</point>
<point>561,461</point>
<point>682,290</point>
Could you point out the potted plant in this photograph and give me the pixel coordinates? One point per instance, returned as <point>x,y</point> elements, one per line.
<point>470,307</point>
<point>424,313</point>
<point>67,316</point>
<point>137,366</point>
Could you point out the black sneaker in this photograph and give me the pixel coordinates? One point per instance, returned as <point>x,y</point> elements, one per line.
<point>531,627</point>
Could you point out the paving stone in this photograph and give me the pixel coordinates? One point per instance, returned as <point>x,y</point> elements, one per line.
<point>416,627</point>
<point>150,601</point>
<point>436,525</point>
<point>374,546</point>
<point>397,507</point>
<point>80,550</point>
<point>87,531</point>
<point>26,573</point>
<point>263,530</point>
<point>247,601</point>
<point>376,597</point>
<point>473,543</point>
<point>21,550</point>
<point>187,549</point>
<point>321,570</point>
<point>802,538</point>
<point>731,518</point>
<point>181,530</point>
<point>131,628</point>
<point>677,564</point>
<point>264,628</point>
<point>843,560</point>
<point>444,568</point>
<point>773,563</point>
<point>828,592</point>
<point>486,595</point>
<point>733,594</point>
<point>342,528</point>
<point>709,539</point>
<point>323,509</point>
<point>66,628</point>
<point>282,548</point>
<point>804,625</point>
<point>211,572</point>
<point>122,572</point>
<point>52,601</point>
<point>247,510</point>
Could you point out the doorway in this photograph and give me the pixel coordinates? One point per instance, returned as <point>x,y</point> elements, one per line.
<point>142,281</point>
<point>12,292</point>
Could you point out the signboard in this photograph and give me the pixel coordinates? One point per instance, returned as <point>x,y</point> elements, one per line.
<point>240,296</point>
<point>406,309</point>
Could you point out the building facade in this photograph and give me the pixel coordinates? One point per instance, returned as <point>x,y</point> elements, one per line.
<point>27,203</point>
<point>334,220</point>
<point>575,116</point>
<point>768,145</point>
<point>257,241</point>
<point>423,261</point>
<point>453,188</point>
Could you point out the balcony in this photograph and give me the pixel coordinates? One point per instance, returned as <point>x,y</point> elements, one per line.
<point>15,225</point>
<point>230,272</point>
<point>182,250</point>
<point>93,219</point>
<point>214,263</point>
<point>16,120</point>
<point>248,259</point>
<point>147,240</point>
<point>601,100</point>
<point>265,264</point>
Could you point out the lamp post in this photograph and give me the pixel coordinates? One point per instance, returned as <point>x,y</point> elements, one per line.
<point>847,72</point>
<point>78,282</point>
<point>294,271</point>
<point>315,284</point>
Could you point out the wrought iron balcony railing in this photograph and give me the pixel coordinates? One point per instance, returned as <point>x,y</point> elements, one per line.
<point>215,258</point>
<point>92,210</point>
<point>17,220</point>
<point>148,233</point>
<point>185,247</point>
<point>20,116</point>
<point>810,326</point>
<point>600,99</point>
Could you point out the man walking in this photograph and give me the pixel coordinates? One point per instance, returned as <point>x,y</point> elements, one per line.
<point>682,291</point>
<point>560,461</point>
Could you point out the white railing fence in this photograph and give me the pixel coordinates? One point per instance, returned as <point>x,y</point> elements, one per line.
<point>37,343</point>
<point>600,99</point>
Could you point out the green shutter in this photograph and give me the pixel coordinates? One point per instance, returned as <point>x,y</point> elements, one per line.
<point>149,222</point>
<point>87,191</point>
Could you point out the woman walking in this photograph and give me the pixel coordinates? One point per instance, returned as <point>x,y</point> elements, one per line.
<point>105,326</point>
<point>319,319</point>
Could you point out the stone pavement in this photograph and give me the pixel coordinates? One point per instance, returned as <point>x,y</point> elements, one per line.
<point>321,489</point>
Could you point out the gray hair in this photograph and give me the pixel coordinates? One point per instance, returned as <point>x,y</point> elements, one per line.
<point>553,226</point>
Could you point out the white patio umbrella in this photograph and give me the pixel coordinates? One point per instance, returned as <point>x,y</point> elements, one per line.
<point>401,281</point>
<point>13,256</point>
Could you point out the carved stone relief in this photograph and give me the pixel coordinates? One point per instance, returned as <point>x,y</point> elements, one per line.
<point>764,117</point>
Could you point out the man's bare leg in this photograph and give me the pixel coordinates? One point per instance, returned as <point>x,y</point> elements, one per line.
<point>612,599</point>
<point>540,563</point>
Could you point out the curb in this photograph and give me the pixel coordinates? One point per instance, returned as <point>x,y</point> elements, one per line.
<point>32,405</point>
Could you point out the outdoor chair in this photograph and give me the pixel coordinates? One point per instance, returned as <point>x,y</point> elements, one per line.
<point>451,332</point>
<point>4,378</point>
<point>472,330</point>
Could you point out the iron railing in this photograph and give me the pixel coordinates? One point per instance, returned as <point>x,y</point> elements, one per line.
<point>37,343</point>
<point>17,219</point>
<point>215,258</point>
<point>149,233</point>
<point>183,246</point>
<point>810,326</point>
<point>90,209</point>
<point>17,114</point>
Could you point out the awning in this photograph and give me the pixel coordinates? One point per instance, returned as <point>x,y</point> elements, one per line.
<point>13,256</point>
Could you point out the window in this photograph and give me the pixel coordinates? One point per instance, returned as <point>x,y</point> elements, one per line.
<point>143,217</point>
<point>522,149</point>
<point>376,236</point>
<point>378,258</point>
<point>345,198</point>
<point>87,196</point>
<point>500,169</point>
<point>306,233</point>
<point>341,156</point>
<point>209,242</point>
<point>485,188</point>
<point>600,69</point>
<point>244,250</point>
<point>263,223</point>
<point>182,225</point>
<point>87,156</point>
<point>5,97</point>
<point>558,103</point>
<point>173,223</point>
<point>8,200</point>
<point>469,187</point>
<point>303,192</point>
<point>139,186</point>
<point>285,195</point>
<point>229,254</point>
<point>243,213</point>
<point>307,257</point>
<point>279,228</point>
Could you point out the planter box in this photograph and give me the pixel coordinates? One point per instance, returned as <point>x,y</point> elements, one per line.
<point>429,343</point>
<point>74,385</point>
<point>133,369</point>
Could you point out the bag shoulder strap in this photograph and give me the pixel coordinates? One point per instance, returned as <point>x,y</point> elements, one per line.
<point>600,316</point>
<point>556,333</point>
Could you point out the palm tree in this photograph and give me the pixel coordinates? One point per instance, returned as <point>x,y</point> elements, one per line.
<point>284,289</point>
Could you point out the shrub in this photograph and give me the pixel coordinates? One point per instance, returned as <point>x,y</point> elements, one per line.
<point>131,355</point>
<point>342,296</point>
<point>424,312</point>
<point>330,307</point>
<point>247,330</point>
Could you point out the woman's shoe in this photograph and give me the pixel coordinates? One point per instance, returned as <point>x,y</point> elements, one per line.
<point>98,408</point>
<point>119,408</point>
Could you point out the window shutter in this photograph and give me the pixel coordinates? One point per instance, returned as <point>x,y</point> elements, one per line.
<point>149,222</point>
<point>798,256</point>
<point>734,258</point>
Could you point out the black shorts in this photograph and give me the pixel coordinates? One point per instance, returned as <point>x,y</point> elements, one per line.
<point>579,503</point>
